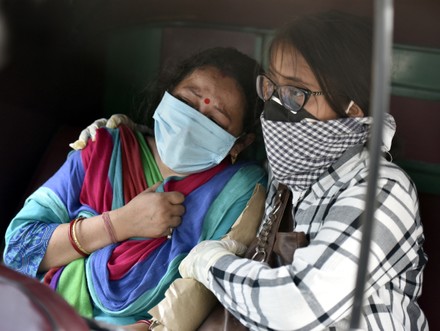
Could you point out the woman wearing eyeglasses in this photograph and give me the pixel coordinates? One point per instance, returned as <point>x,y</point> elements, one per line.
<point>316,125</point>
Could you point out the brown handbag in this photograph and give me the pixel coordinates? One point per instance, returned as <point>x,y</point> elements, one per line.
<point>275,244</point>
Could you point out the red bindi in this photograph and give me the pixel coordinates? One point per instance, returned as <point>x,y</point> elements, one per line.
<point>207,101</point>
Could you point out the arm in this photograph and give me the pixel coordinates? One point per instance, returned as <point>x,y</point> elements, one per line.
<point>37,238</point>
<point>28,234</point>
<point>317,289</point>
<point>131,220</point>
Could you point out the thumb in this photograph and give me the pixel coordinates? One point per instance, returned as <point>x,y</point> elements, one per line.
<point>234,246</point>
<point>87,133</point>
<point>93,127</point>
<point>153,188</point>
<point>117,119</point>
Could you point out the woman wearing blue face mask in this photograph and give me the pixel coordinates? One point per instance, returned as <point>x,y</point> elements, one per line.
<point>316,125</point>
<point>110,228</point>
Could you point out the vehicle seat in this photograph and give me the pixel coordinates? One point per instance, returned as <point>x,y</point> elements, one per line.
<point>415,104</point>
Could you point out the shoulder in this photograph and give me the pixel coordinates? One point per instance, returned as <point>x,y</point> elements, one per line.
<point>251,170</point>
<point>393,184</point>
<point>244,176</point>
<point>357,167</point>
<point>394,180</point>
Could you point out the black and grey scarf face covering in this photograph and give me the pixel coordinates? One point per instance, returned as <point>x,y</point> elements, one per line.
<point>300,152</point>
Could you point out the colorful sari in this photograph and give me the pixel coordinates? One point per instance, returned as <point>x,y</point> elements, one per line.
<point>121,282</point>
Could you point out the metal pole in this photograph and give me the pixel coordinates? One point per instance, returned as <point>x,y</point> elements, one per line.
<point>381,66</point>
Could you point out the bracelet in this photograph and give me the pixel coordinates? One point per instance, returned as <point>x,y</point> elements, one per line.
<point>74,239</point>
<point>72,242</point>
<point>109,227</point>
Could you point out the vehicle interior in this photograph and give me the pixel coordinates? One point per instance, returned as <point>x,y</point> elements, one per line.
<point>68,63</point>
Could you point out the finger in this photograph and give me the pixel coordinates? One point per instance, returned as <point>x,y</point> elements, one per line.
<point>96,125</point>
<point>77,145</point>
<point>235,246</point>
<point>117,119</point>
<point>175,197</point>
<point>240,249</point>
<point>82,140</point>
<point>153,188</point>
<point>176,210</point>
<point>175,221</point>
<point>85,134</point>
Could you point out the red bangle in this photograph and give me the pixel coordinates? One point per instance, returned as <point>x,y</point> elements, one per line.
<point>74,240</point>
<point>109,227</point>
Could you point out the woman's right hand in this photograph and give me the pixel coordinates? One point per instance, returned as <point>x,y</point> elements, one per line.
<point>150,214</point>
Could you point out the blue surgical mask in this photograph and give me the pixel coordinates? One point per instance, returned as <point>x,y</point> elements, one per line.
<point>187,141</point>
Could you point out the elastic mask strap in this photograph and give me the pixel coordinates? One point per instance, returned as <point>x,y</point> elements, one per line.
<point>349,106</point>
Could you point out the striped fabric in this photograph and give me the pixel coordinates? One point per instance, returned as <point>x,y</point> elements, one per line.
<point>316,291</point>
<point>300,152</point>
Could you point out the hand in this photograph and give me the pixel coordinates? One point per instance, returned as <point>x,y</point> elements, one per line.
<point>113,122</point>
<point>204,255</point>
<point>87,133</point>
<point>150,214</point>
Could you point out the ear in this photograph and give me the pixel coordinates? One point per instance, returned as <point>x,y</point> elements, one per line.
<point>355,111</point>
<point>242,143</point>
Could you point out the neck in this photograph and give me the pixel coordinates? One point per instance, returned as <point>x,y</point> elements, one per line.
<point>164,170</point>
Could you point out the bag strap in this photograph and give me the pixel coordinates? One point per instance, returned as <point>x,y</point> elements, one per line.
<point>262,248</point>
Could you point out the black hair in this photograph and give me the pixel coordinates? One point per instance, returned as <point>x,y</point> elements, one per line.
<point>338,48</point>
<point>231,62</point>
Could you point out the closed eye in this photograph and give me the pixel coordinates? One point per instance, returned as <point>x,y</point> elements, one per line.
<point>186,101</point>
<point>215,121</point>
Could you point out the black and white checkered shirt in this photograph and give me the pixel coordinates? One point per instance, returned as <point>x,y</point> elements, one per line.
<point>316,291</point>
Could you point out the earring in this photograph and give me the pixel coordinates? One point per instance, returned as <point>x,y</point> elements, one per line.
<point>234,158</point>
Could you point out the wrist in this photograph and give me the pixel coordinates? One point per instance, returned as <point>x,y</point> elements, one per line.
<point>109,227</point>
<point>203,274</point>
<point>119,230</point>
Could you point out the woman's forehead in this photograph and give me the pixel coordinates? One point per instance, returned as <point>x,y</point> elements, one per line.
<point>211,78</point>
<point>287,63</point>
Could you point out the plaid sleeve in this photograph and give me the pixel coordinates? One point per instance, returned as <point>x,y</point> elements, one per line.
<point>316,291</point>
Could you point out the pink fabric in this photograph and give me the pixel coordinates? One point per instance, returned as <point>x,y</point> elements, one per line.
<point>128,253</point>
<point>190,183</point>
<point>132,168</point>
<point>97,191</point>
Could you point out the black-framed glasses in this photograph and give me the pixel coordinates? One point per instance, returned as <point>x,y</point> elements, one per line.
<point>290,97</point>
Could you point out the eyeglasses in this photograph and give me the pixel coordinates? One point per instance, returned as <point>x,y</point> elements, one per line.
<point>290,97</point>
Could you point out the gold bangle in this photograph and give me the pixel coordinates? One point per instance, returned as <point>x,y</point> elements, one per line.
<point>75,238</point>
